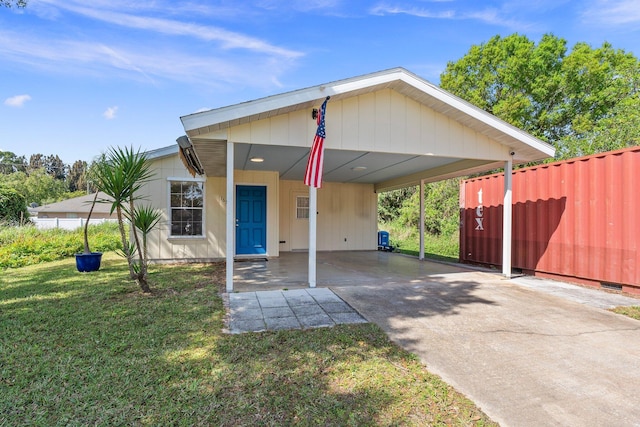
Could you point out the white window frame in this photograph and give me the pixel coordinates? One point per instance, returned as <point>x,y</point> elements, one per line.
<point>173,179</point>
<point>298,208</point>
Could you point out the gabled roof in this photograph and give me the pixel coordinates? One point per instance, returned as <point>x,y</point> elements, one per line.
<point>78,205</point>
<point>526,147</point>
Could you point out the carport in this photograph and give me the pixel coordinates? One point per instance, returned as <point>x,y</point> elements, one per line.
<point>352,268</point>
<point>389,129</point>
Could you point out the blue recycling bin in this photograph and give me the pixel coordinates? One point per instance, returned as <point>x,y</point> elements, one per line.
<point>383,240</point>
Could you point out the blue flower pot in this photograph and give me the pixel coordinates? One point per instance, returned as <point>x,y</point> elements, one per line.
<point>88,262</point>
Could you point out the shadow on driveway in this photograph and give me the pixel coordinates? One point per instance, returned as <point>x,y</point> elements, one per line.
<point>526,358</point>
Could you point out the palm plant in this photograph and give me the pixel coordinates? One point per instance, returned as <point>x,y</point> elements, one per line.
<point>86,226</point>
<point>145,218</point>
<point>120,174</point>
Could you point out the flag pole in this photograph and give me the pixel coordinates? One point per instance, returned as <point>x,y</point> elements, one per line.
<point>313,179</point>
<point>313,226</point>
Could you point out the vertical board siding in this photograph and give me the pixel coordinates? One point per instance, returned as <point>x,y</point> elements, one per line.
<point>382,121</point>
<point>345,211</point>
<point>577,218</point>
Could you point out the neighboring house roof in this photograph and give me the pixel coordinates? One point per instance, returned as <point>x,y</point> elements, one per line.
<point>78,205</point>
<point>210,130</point>
<point>159,153</point>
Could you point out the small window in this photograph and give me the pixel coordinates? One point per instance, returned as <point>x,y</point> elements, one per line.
<point>187,208</point>
<point>302,207</point>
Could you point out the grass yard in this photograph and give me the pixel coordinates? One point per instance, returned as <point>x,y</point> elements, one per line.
<point>633,312</point>
<point>90,349</point>
<point>407,241</point>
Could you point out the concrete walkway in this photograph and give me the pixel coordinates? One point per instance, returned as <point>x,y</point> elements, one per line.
<point>290,309</point>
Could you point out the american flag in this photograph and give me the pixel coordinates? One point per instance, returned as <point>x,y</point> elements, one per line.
<point>313,175</point>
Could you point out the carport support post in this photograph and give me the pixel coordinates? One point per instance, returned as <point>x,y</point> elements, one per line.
<point>421,255</point>
<point>507,213</point>
<point>313,225</point>
<point>231,226</point>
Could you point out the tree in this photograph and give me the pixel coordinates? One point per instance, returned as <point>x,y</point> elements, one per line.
<point>390,203</point>
<point>513,79</point>
<point>145,218</point>
<point>52,164</point>
<point>41,187</point>
<point>120,173</point>
<point>36,161</point>
<point>558,97</point>
<point>77,176</point>
<point>37,187</point>
<point>17,3</point>
<point>13,209</point>
<point>10,163</point>
<point>441,208</point>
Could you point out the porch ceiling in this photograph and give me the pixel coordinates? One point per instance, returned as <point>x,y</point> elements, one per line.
<point>386,171</point>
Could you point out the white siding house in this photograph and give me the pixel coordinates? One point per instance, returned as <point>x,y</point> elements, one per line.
<point>233,186</point>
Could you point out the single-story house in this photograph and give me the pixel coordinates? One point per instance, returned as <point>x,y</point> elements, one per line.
<point>233,185</point>
<point>72,213</point>
<point>77,207</point>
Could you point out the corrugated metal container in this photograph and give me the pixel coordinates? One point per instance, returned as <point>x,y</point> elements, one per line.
<point>577,219</point>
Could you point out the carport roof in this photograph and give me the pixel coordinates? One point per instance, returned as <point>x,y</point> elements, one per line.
<point>201,126</point>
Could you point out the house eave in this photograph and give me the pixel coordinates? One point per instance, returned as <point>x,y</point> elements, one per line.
<point>525,147</point>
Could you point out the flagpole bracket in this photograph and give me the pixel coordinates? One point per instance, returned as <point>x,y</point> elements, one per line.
<point>314,112</point>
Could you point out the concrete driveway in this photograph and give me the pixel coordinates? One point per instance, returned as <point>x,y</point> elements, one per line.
<point>525,357</point>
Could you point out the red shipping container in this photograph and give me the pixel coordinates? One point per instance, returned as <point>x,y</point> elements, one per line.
<point>576,220</point>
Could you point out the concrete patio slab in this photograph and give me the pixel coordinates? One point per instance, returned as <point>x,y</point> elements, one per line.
<point>279,310</point>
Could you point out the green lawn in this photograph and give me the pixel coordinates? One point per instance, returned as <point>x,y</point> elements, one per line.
<point>633,312</point>
<point>90,349</point>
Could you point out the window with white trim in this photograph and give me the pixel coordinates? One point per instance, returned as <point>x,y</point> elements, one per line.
<point>186,204</point>
<point>302,207</point>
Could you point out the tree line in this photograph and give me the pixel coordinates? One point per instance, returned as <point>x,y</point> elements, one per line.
<point>43,179</point>
<point>582,101</point>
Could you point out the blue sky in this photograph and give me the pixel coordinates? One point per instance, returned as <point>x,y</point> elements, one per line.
<point>77,77</point>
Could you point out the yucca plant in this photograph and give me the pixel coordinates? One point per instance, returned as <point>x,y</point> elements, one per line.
<point>88,261</point>
<point>86,226</point>
<point>145,218</point>
<point>120,174</point>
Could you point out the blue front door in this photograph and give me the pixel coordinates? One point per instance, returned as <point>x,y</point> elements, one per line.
<point>251,219</point>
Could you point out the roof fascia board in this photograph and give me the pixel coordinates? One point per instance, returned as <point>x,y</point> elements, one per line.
<point>276,102</point>
<point>477,113</point>
<point>309,95</point>
<point>161,152</point>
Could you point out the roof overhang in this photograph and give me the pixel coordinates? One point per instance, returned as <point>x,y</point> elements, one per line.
<point>385,170</point>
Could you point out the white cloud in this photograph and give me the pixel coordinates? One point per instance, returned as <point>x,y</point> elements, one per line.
<point>168,45</point>
<point>110,113</point>
<point>227,39</point>
<point>384,9</point>
<point>446,10</point>
<point>613,12</point>
<point>17,101</point>
<point>139,62</point>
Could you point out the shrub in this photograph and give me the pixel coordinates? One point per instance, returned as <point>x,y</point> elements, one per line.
<point>27,245</point>
<point>13,208</point>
